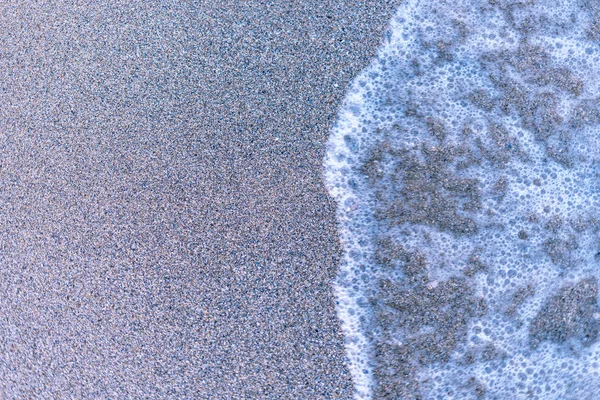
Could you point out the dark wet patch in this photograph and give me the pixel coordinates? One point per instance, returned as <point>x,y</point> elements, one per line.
<point>427,192</point>
<point>421,322</point>
<point>554,224</point>
<point>569,314</point>
<point>437,128</point>
<point>557,148</point>
<point>560,250</point>
<point>481,99</point>
<point>561,78</point>
<point>587,112</point>
<point>518,299</point>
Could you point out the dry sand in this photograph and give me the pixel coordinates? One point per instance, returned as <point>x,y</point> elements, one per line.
<point>164,229</point>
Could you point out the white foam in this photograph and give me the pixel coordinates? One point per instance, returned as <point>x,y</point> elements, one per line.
<point>433,58</point>
<point>348,287</point>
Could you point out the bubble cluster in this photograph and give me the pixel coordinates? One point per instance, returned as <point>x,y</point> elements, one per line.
<point>466,165</point>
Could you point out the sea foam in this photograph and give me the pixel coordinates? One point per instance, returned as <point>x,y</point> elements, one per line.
<point>465,162</point>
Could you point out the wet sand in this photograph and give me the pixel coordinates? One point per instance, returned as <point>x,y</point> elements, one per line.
<point>164,229</point>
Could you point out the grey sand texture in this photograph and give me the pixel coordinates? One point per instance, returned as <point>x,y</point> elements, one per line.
<point>165,232</point>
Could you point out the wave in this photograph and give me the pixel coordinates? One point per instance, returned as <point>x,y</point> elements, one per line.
<point>465,162</point>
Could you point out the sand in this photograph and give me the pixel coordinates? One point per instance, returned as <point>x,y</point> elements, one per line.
<point>164,229</point>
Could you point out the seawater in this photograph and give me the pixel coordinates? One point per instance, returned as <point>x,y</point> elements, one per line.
<point>465,161</point>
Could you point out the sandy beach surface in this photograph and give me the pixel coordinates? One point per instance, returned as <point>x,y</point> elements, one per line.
<point>164,229</point>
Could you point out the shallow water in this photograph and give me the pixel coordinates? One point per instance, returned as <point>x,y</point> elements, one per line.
<point>466,165</point>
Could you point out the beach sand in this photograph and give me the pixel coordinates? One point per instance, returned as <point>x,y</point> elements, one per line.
<point>164,228</point>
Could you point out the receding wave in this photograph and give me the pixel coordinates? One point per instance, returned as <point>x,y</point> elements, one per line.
<point>466,166</point>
